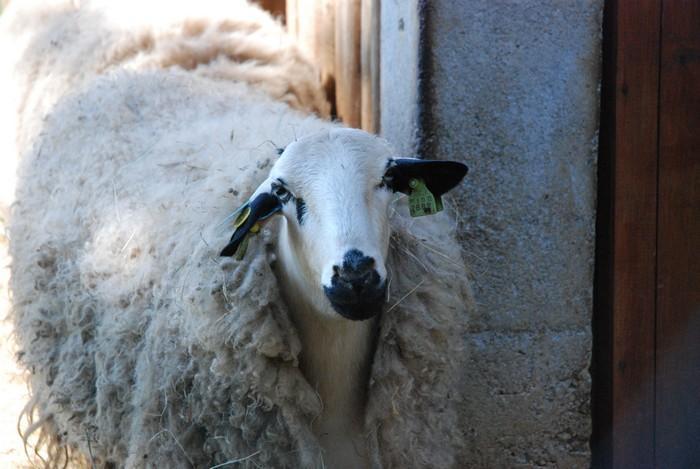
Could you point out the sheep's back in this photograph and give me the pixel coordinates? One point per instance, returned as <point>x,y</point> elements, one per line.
<point>115,236</point>
<point>119,296</point>
<point>51,48</point>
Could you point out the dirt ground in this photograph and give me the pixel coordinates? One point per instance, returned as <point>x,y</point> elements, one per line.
<point>13,390</point>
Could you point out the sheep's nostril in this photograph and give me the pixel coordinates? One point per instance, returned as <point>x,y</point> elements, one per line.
<point>356,264</point>
<point>359,284</point>
<point>357,296</point>
<point>365,263</point>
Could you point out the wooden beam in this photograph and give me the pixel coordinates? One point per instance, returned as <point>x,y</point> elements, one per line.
<point>370,28</point>
<point>678,288</point>
<point>291,10</point>
<point>276,7</point>
<point>342,38</point>
<point>324,52</point>
<point>347,61</point>
<point>635,193</point>
<point>312,23</point>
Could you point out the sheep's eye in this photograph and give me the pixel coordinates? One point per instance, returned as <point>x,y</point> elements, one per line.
<point>281,192</point>
<point>386,182</point>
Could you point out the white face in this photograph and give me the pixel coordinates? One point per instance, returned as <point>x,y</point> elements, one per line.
<point>333,190</point>
<point>335,208</point>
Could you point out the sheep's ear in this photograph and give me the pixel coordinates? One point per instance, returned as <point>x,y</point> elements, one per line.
<point>247,222</point>
<point>424,181</point>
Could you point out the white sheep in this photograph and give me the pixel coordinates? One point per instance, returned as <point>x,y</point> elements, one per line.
<point>148,349</point>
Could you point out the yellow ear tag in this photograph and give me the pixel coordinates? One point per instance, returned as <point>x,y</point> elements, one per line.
<point>421,201</point>
<point>255,229</point>
<point>242,217</point>
<point>242,248</point>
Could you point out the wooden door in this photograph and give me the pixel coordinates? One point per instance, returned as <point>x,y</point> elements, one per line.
<point>646,366</point>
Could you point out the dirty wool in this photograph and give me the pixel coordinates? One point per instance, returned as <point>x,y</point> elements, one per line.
<point>135,129</point>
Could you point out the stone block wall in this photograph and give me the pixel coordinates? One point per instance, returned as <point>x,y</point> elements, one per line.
<point>511,88</point>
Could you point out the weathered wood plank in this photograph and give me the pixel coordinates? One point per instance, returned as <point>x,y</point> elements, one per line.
<point>312,23</point>
<point>276,7</point>
<point>325,47</point>
<point>292,22</point>
<point>347,61</point>
<point>678,288</point>
<point>370,65</point>
<point>634,232</point>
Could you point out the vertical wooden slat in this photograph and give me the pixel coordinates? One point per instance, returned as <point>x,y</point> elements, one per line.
<point>634,232</point>
<point>324,53</point>
<point>347,61</point>
<point>678,294</point>
<point>276,7</point>
<point>302,24</point>
<point>312,23</point>
<point>292,11</point>
<point>370,65</point>
<point>342,38</point>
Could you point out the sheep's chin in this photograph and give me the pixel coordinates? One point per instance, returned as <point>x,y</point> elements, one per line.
<point>359,312</point>
<point>362,310</point>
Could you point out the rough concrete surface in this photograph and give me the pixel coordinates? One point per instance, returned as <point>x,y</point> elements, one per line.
<point>511,88</point>
<point>399,65</point>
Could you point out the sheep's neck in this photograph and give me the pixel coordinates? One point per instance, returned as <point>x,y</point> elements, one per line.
<point>335,358</point>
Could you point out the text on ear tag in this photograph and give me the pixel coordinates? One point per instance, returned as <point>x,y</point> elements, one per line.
<point>421,201</point>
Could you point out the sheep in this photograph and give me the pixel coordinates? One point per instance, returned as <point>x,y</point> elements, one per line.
<point>330,339</point>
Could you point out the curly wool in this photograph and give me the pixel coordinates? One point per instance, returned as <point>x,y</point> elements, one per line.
<point>145,348</point>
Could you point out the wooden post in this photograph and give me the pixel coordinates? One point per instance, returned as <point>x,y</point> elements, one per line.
<point>370,65</point>
<point>647,318</point>
<point>347,61</point>
<point>324,53</point>
<point>678,240</point>
<point>292,10</point>
<point>275,7</point>
<point>312,23</point>
<point>342,38</point>
<point>634,238</point>
<point>626,258</point>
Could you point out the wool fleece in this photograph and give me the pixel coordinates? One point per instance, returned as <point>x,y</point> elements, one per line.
<point>136,128</point>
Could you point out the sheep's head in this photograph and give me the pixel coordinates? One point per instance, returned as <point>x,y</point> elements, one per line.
<point>333,191</point>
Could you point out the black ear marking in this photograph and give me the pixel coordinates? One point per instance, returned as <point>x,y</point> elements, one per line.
<point>301,210</point>
<point>252,212</point>
<point>439,176</point>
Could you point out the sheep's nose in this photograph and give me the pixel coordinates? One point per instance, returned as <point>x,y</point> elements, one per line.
<point>357,271</point>
<point>356,291</point>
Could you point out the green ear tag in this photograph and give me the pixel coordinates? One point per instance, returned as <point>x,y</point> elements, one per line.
<point>421,201</point>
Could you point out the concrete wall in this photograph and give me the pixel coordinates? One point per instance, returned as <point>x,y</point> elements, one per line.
<point>511,88</point>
